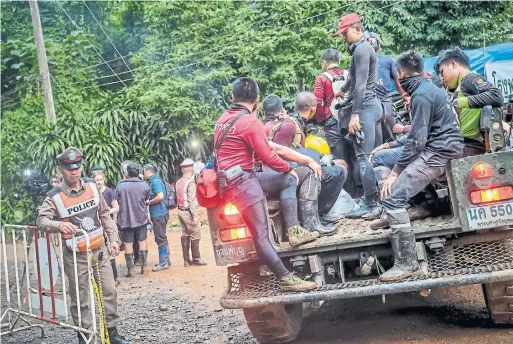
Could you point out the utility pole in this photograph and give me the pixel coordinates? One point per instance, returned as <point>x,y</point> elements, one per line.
<point>44,74</point>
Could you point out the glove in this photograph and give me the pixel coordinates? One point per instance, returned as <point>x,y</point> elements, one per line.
<point>460,103</point>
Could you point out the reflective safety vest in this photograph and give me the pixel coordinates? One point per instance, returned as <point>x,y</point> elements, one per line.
<point>298,135</point>
<point>181,192</point>
<point>82,211</point>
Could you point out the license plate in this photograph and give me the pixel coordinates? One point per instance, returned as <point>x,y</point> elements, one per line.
<point>489,216</point>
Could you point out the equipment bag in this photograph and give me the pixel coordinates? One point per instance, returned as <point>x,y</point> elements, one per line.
<point>337,82</point>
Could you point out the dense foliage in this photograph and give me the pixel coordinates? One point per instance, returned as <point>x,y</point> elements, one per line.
<point>170,65</point>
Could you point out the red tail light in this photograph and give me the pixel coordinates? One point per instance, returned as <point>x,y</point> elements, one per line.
<point>481,170</point>
<point>491,195</point>
<point>482,174</point>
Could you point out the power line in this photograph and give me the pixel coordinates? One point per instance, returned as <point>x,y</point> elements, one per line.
<point>101,64</point>
<point>58,85</point>
<point>101,27</point>
<point>174,41</point>
<point>231,44</point>
<point>167,70</point>
<point>192,64</point>
<point>98,53</point>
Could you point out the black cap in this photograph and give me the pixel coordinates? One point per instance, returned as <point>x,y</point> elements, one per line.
<point>70,159</point>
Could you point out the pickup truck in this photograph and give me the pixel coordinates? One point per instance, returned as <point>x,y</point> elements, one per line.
<point>471,244</point>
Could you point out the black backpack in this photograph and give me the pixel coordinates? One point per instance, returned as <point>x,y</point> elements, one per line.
<point>170,196</point>
<point>171,201</point>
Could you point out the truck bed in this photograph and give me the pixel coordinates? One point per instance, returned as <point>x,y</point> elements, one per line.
<point>357,233</point>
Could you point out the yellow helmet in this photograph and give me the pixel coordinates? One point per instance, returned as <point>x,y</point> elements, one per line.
<point>318,143</point>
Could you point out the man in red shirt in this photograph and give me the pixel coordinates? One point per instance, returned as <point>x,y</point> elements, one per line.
<point>245,188</point>
<point>340,147</point>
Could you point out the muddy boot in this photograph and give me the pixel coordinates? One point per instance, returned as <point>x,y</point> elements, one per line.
<point>163,260</point>
<point>418,213</point>
<point>309,218</point>
<point>196,258</point>
<point>129,257</point>
<point>298,235</point>
<point>380,223</point>
<point>115,337</point>
<point>405,258</point>
<point>186,246</point>
<point>144,262</point>
<point>293,283</point>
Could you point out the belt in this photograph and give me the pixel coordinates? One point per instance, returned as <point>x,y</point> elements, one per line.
<point>185,209</point>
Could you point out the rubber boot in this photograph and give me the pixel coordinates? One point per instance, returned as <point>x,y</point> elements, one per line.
<point>196,258</point>
<point>144,262</point>
<point>186,246</point>
<point>291,283</point>
<point>298,235</point>
<point>115,337</point>
<point>405,258</point>
<point>309,218</point>
<point>129,257</point>
<point>137,258</point>
<point>163,259</point>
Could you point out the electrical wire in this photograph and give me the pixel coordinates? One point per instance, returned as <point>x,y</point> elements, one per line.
<point>97,52</point>
<point>228,45</point>
<point>101,27</point>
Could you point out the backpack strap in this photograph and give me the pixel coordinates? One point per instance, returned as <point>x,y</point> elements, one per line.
<point>330,77</point>
<point>296,142</point>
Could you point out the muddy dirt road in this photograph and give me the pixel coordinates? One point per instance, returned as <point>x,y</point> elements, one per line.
<point>180,305</point>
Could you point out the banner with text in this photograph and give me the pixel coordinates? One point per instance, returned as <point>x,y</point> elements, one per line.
<point>501,75</point>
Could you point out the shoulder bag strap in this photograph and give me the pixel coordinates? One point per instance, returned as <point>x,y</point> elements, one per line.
<point>227,130</point>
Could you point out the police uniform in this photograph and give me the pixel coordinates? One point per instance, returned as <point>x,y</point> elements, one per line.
<point>86,209</point>
<point>187,206</point>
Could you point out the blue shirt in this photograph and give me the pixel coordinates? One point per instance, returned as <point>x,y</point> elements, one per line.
<point>387,71</point>
<point>156,186</point>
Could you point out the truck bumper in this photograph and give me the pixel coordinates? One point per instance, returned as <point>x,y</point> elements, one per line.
<point>471,264</point>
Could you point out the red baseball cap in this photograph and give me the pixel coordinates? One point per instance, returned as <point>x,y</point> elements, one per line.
<point>346,21</point>
<point>207,189</point>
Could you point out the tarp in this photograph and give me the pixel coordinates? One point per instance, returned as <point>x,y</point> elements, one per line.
<point>494,53</point>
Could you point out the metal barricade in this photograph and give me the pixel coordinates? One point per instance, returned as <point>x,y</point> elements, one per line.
<point>40,294</point>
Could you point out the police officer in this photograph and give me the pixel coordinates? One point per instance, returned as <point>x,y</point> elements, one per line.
<point>76,203</point>
<point>187,206</point>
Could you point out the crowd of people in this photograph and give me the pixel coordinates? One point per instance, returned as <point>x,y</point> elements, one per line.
<point>382,163</point>
<point>340,138</point>
<point>115,219</point>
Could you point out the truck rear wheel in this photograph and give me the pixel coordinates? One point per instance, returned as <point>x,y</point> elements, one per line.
<point>499,301</point>
<point>275,323</point>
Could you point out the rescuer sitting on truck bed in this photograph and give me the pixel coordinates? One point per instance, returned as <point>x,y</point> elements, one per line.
<point>434,140</point>
<point>240,136</point>
<point>472,93</point>
<point>289,131</point>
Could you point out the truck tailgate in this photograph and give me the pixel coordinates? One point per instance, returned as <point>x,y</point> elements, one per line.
<point>357,233</point>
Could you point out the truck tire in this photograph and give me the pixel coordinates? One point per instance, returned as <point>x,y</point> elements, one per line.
<point>499,301</point>
<point>275,323</point>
